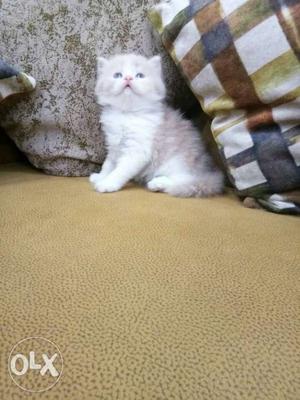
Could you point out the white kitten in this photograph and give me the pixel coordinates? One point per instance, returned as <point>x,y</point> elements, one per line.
<point>146,140</point>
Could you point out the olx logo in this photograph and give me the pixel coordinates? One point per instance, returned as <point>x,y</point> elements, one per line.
<point>48,366</point>
<point>35,364</point>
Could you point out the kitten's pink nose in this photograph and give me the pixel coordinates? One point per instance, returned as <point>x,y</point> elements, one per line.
<point>128,78</point>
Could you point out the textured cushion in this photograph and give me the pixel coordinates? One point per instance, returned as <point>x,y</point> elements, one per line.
<point>13,82</point>
<point>57,43</point>
<point>147,296</point>
<point>241,59</point>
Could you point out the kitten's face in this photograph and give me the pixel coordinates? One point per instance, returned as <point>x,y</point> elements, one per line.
<point>129,82</point>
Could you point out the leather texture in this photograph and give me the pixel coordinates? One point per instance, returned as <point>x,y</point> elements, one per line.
<point>148,296</point>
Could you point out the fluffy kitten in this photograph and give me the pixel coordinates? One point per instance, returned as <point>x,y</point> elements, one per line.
<point>146,140</point>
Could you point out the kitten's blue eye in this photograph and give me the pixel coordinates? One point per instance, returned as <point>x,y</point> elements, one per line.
<point>140,75</point>
<point>118,75</point>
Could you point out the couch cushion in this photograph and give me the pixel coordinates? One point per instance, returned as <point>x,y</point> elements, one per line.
<point>241,61</point>
<point>149,296</point>
<point>57,42</point>
<point>13,82</point>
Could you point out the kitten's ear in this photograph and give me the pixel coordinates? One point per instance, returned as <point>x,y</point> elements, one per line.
<point>101,62</point>
<point>156,62</point>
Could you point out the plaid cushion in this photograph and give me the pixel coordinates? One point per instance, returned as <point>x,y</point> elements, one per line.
<point>241,60</point>
<point>13,82</point>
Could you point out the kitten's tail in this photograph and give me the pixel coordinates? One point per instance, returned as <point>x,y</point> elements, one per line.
<point>211,184</point>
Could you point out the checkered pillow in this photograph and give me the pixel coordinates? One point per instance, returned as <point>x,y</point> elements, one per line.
<point>13,82</point>
<point>241,60</point>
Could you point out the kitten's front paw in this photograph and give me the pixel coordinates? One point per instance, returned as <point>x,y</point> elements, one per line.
<point>94,178</point>
<point>159,184</point>
<point>107,186</point>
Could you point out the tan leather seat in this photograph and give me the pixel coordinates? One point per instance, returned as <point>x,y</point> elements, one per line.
<point>148,296</point>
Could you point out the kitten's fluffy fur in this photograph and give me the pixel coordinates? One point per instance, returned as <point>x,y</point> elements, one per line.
<point>146,140</point>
